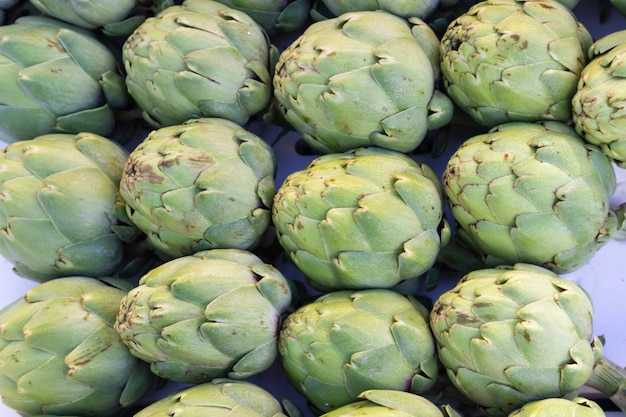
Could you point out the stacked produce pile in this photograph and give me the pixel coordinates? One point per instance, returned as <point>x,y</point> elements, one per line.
<point>214,199</point>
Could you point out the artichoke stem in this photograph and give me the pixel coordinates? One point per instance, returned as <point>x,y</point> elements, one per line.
<point>610,379</point>
<point>620,213</point>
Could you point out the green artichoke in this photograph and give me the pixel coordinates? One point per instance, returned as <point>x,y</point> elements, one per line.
<point>360,219</point>
<point>220,397</point>
<point>61,356</point>
<point>387,403</point>
<point>560,407</point>
<point>514,60</point>
<point>274,16</point>
<point>205,184</point>
<point>198,59</point>
<point>57,196</point>
<point>346,342</point>
<point>325,9</point>
<point>531,193</point>
<point>212,314</point>
<point>598,105</point>
<point>345,83</point>
<point>86,14</point>
<point>510,335</point>
<point>59,78</point>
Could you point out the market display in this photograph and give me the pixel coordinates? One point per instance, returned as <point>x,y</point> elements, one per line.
<point>306,208</point>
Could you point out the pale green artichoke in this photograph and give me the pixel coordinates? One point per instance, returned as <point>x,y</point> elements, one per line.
<point>325,9</point>
<point>560,407</point>
<point>387,403</point>
<point>205,184</point>
<point>510,335</point>
<point>347,342</point>
<point>274,16</point>
<point>361,219</point>
<point>345,83</point>
<point>198,59</point>
<point>56,78</point>
<point>61,356</point>
<point>57,196</point>
<point>599,102</point>
<point>212,314</point>
<point>112,17</point>
<point>532,193</point>
<point>220,397</point>
<point>514,60</point>
<point>86,14</point>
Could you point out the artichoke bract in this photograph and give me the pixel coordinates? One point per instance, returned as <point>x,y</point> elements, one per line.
<point>56,78</point>
<point>403,8</point>
<point>219,397</point>
<point>198,59</point>
<point>205,184</point>
<point>57,196</point>
<point>385,403</point>
<point>274,16</point>
<point>212,314</point>
<point>61,356</point>
<point>514,60</point>
<point>560,407</point>
<point>514,334</point>
<point>361,219</point>
<point>518,194</point>
<point>346,342</point>
<point>598,105</point>
<point>347,83</point>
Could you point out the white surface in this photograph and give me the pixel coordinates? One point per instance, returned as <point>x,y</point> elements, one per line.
<point>604,277</point>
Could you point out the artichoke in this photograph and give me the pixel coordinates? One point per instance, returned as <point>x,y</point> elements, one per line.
<point>324,9</point>
<point>560,407</point>
<point>205,184</point>
<point>514,334</point>
<point>220,397</point>
<point>345,83</point>
<point>598,105</point>
<point>212,314</point>
<point>112,17</point>
<point>274,16</point>
<point>532,193</point>
<point>61,356</point>
<point>514,60</point>
<point>86,14</point>
<point>386,403</point>
<point>59,78</point>
<point>57,196</point>
<point>361,219</point>
<point>346,342</point>
<point>198,59</point>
